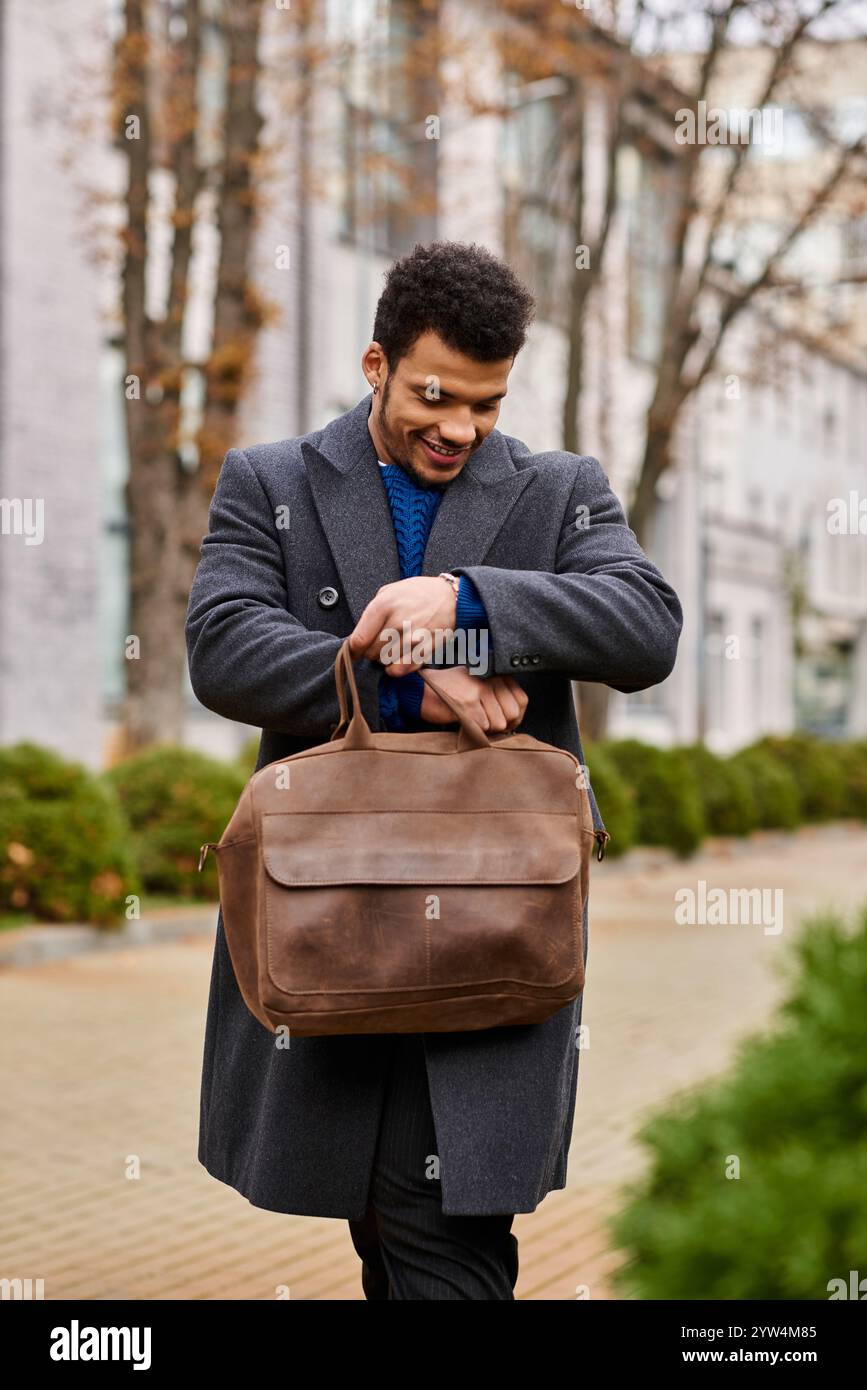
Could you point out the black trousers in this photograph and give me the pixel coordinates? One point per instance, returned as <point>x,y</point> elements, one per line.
<point>408,1248</point>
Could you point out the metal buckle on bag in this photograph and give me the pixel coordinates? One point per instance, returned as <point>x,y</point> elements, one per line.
<point>203,852</point>
<point>602,838</point>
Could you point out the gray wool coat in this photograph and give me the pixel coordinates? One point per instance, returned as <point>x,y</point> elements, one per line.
<point>300,539</point>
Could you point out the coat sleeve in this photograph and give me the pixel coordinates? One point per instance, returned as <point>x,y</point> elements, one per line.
<point>606,614</point>
<point>250,658</point>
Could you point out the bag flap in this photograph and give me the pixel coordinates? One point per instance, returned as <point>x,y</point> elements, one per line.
<point>429,847</point>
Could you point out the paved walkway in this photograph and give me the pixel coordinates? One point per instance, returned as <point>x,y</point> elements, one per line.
<point>103,1051</point>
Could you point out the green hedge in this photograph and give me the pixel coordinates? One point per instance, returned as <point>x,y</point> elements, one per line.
<point>816,769</point>
<point>793,1112</point>
<point>175,799</point>
<point>726,791</point>
<point>668,801</point>
<point>65,852</point>
<point>776,793</point>
<point>852,761</point>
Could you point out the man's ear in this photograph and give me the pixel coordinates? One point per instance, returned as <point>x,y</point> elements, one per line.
<point>374,364</point>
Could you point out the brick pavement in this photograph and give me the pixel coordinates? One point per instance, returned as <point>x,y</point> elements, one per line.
<point>103,1053</point>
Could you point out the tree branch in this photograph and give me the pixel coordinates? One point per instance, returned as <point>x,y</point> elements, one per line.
<point>735,302</point>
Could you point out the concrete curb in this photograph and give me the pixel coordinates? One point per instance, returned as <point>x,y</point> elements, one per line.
<point>50,941</point>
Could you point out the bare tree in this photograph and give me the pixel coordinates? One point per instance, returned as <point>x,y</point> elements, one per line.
<point>706,295</point>
<point>552,53</point>
<point>157,121</point>
<point>175,447</point>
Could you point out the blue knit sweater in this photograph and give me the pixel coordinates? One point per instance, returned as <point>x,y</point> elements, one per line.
<point>412,511</point>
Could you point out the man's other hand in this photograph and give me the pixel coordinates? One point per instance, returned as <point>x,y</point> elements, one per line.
<point>497,703</point>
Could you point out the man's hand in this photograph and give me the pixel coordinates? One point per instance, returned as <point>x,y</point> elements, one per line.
<point>426,604</point>
<point>497,703</point>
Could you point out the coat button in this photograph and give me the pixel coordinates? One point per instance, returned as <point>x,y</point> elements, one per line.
<point>516,661</point>
<point>535,660</point>
<point>327,597</point>
<point>525,661</point>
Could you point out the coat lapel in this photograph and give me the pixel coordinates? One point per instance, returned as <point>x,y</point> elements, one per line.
<point>352,506</point>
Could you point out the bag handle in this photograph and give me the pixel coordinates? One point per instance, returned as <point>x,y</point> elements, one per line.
<point>358,735</point>
<point>471,732</point>
<point>341,694</point>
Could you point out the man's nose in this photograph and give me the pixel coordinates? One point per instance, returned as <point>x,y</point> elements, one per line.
<point>457,431</point>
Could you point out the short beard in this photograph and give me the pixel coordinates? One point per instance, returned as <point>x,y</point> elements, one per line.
<point>385,430</point>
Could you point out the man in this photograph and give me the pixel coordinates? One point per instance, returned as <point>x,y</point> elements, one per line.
<point>412,514</point>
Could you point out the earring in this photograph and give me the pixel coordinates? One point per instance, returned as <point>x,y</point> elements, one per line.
<point>375,388</point>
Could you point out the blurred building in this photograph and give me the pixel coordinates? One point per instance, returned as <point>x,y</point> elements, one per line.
<point>779,438</point>
<point>378,157</point>
<point>53,434</point>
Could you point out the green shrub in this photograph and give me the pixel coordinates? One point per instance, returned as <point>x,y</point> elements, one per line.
<point>614,797</point>
<point>667,795</point>
<point>726,793</point>
<point>176,799</point>
<point>852,761</point>
<point>793,1112</point>
<point>816,770</point>
<point>65,853</point>
<point>775,791</point>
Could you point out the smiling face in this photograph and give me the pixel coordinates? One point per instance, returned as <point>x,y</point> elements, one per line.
<point>435,409</point>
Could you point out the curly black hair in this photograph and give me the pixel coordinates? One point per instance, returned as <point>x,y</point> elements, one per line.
<point>460,291</point>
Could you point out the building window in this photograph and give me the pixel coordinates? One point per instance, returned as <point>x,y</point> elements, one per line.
<point>853,245</point>
<point>715,681</point>
<point>388,149</point>
<point>757,656</point>
<point>536,195</point>
<point>825,688</point>
<point>651,234</point>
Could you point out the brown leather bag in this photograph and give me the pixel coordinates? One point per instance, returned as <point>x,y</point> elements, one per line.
<point>408,882</point>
